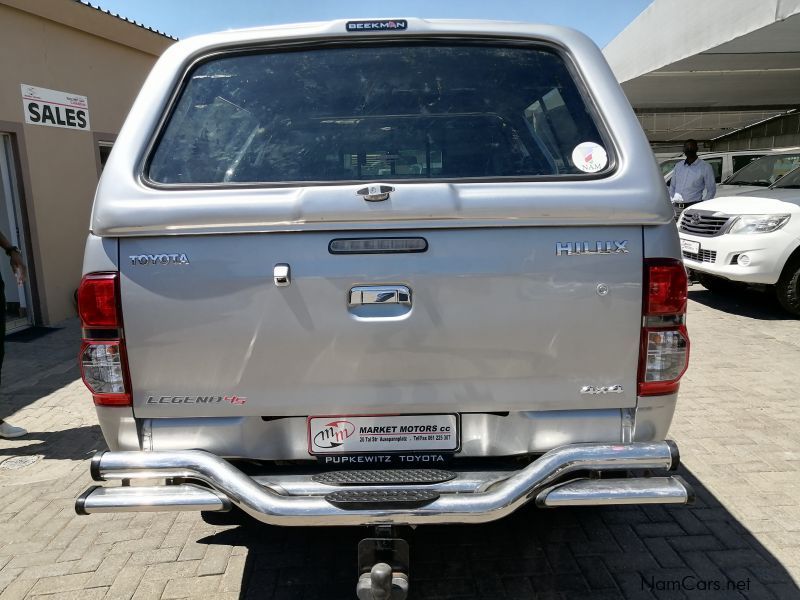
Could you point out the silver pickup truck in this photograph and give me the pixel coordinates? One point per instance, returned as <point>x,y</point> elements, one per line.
<point>382,272</point>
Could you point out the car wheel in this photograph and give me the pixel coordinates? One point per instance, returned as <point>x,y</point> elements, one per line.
<point>717,285</point>
<point>788,288</point>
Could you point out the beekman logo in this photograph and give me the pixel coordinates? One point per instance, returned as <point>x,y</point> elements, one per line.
<point>334,434</point>
<point>391,25</point>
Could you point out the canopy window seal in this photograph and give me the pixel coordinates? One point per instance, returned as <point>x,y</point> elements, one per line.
<point>591,108</point>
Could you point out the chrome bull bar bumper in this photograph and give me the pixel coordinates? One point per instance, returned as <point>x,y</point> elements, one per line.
<point>543,480</point>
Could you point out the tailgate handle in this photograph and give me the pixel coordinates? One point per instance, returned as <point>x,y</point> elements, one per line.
<point>380,294</point>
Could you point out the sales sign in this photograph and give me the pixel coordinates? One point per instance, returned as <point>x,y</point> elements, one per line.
<point>54,108</point>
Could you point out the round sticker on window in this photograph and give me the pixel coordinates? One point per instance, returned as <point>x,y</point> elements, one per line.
<point>589,157</point>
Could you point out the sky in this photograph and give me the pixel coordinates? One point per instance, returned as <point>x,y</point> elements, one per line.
<point>601,20</point>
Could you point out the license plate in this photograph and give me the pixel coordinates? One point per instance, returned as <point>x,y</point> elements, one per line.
<point>347,434</point>
<point>690,246</point>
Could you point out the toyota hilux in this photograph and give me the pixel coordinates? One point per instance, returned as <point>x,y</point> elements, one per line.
<point>382,273</point>
<point>747,240</point>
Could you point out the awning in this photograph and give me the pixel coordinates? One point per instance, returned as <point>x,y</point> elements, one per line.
<point>704,69</point>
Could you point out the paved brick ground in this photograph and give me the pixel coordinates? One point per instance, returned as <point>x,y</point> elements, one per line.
<point>738,426</point>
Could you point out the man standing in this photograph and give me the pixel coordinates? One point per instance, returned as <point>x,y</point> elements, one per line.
<point>7,430</point>
<point>689,178</point>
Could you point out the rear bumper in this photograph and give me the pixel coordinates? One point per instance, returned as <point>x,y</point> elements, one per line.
<point>482,434</point>
<point>469,497</point>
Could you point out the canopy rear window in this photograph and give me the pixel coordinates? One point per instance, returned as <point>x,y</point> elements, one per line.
<point>367,113</point>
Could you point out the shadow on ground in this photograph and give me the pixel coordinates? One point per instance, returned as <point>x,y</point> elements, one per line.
<point>700,551</point>
<point>77,443</point>
<point>33,369</point>
<point>745,302</point>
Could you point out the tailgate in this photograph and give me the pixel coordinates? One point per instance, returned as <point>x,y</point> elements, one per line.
<point>496,320</point>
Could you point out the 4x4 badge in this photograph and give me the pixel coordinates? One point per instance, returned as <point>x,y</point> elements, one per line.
<point>603,389</point>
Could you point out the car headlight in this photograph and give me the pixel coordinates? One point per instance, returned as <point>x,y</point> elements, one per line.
<point>758,223</point>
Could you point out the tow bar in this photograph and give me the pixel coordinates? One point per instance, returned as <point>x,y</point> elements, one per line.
<point>383,566</point>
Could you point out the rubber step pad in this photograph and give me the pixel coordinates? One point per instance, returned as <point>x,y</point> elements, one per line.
<point>381,499</point>
<point>384,477</point>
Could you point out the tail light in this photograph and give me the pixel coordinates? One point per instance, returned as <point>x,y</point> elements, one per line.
<point>98,304</point>
<point>103,360</point>
<point>664,354</point>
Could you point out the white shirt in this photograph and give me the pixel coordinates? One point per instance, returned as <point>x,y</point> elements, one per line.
<point>690,180</point>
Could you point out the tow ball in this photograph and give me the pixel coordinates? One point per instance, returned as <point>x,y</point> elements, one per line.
<point>383,566</point>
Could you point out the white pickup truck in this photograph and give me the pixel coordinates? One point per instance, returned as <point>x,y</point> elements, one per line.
<point>751,239</point>
<point>382,273</point>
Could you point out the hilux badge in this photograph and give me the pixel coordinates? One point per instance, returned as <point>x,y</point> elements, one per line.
<point>599,247</point>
